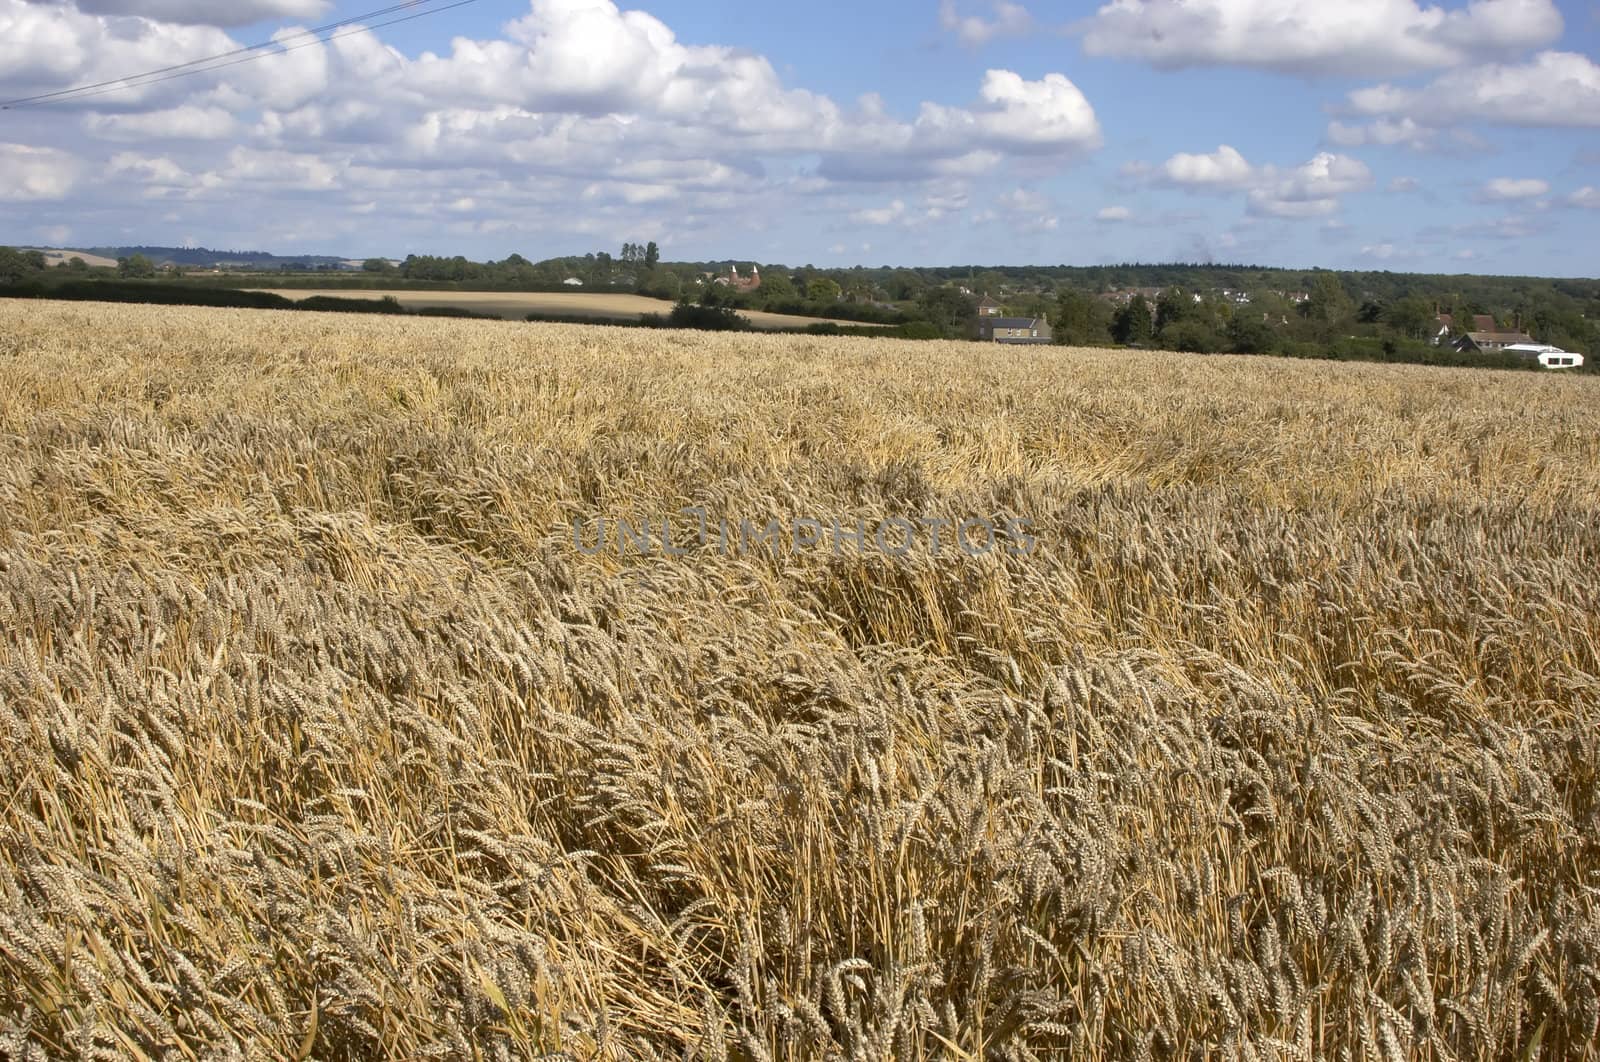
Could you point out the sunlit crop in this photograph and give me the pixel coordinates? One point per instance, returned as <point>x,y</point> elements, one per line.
<point>322,740</point>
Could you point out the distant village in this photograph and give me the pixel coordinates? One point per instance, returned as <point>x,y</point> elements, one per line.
<point>1197,308</point>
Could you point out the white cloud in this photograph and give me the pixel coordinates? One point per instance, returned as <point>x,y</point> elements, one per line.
<point>1114,213</point>
<point>1010,19</point>
<point>44,47</point>
<point>1024,201</point>
<point>1404,184</point>
<point>1510,188</point>
<point>1311,189</point>
<point>1385,132</point>
<point>208,12</point>
<point>1350,37</point>
<point>187,122</point>
<point>886,215</point>
<point>1588,197</point>
<point>1046,116</point>
<point>146,169</point>
<point>36,173</point>
<point>283,170</point>
<point>1391,252</point>
<point>1554,89</point>
<point>1223,168</point>
<point>504,134</point>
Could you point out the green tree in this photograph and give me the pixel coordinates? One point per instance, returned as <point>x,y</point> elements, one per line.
<point>1132,323</point>
<point>1411,317</point>
<point>1173,305</point>
<point>652,255</point>
<point>662,284</point>
<point>17,267</point>
<point>823,290</point>
<point>1249,334</point>
<point>377,265</point>
<point>1330,307</point>
<point>1192,336</point>
<point>777,287</point>
<point>1081,320</point>
<point>949,310</point>
<point>990,282</point>
<point>136,267</point>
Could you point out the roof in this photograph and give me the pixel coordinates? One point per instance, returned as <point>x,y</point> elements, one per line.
<point>987,301</point>
<point>1501,338</point>
<point>1013,322</point>
<point>1484,322</point>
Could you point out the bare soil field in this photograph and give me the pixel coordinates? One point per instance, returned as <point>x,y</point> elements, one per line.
<point>330,727</point>
<point>515,306</point>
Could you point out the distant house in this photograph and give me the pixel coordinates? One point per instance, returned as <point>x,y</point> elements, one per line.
<point>1444,326</point>
<point>1015,330</point>
<point>1548,356</point>
<point>740,283</point>
<point>1487,336</point>
<point>987,307</point>
<point>1480,342</point>
<point>573,282</point>
<point>1127,295</point>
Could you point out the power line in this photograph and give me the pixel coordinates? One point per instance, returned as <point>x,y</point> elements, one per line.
<point>251,54</point>
<point>318,31</point>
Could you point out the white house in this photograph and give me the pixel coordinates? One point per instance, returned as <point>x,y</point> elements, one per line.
<point>573,282</point>
<point>1550,357</point>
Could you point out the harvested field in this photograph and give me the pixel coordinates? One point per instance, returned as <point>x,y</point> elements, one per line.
<point>517,305</point>
<point>323,738</point>
<point>55,258</point>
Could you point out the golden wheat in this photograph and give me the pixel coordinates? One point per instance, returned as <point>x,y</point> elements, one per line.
<point>322,739</point>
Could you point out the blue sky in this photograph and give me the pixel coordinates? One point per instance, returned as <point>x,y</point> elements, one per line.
<point>1396,134</point>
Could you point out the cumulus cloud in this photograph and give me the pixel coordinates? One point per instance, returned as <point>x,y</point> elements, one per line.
<point>36,173</point>
<point>1312,189</point>
<point>45,47</point>
<point>1010,19</point>
<point>1351,37</point>
<point>1587,197</point>
<point>525,121</point>
<point>1502,189</point>
<point>1553,89</point>
<point>1223,168</point>
<point>1114,213</point>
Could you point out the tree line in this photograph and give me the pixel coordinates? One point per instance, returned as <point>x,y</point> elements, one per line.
<point>1316,313</point>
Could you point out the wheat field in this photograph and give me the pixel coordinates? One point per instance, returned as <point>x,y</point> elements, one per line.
<point>324,739</point>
